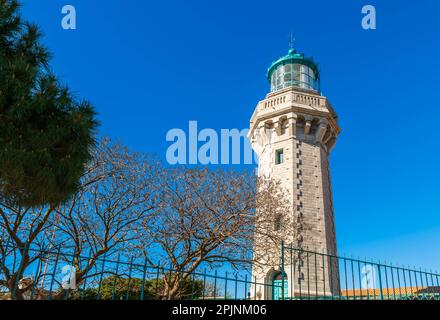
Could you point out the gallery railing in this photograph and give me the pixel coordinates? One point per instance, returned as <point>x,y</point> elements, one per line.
<point>315,275</point>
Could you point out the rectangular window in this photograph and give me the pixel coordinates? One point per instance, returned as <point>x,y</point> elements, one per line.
<point>278,223</point>
<point>279,156</point>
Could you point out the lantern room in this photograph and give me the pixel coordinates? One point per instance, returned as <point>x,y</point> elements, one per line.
<point>294,70</point>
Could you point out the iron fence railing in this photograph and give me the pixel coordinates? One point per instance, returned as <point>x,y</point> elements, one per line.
<point>324,276</point>
<point>308,275</point>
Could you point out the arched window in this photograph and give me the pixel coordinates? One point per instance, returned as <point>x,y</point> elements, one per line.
<point>279,276</point>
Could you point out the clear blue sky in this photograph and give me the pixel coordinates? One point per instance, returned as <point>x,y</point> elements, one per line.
<point>149,66</point>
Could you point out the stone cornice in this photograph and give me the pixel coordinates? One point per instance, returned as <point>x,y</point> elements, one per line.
<point>289,107</point>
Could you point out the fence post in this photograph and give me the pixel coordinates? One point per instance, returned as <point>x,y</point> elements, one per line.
<point>236,286</point>
<point>204,284</point>
<point>292,272</point>
<point>415,279</point>
<point>282,270</point>
<point>215,285</point>
<point>392,281</point>
<point>192,285</point>
<point>300,272</point>
<point>98,296</point>
<point>386,280</point>
<point>316,276</point>
<point>345,276</point>
<point>353,278</point>
<point>410,281</point>
<point>398,282</point>
<point>332,289</point>
<point>116,277</point>
<point>421,282</point>
<point>85,278</point>
<point>54,273</point>
<point>157,278</point>
<point>245,286</point>
<point>360,279</point>
<point>323,275</point>
<point>380,282</point>
<point>127,295</point>
<point>438,285</point>
<point>143,278</point>
<point>226,284</point>
<point>308,273</point>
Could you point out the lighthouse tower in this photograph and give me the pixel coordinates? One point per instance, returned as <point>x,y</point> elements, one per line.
<point>293,131</point>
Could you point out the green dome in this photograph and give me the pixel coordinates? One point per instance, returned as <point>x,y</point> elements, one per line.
<point>294,69</point>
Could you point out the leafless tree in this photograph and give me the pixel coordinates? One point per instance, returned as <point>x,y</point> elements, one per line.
<point>24,234</point>
<point>118,190</point>
<point>177,218</point>
<point>209,217</point>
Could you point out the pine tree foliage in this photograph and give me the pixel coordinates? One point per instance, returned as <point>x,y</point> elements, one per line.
<point>46,133</point>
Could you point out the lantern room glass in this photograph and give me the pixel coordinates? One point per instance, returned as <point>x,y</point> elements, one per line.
<point>297,75</point>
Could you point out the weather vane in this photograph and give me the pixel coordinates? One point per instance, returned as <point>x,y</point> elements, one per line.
<point>291,40</point>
